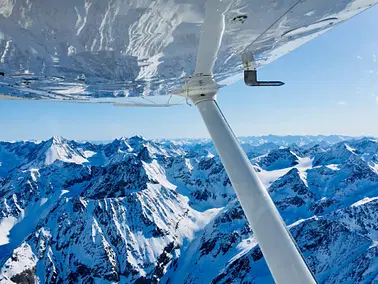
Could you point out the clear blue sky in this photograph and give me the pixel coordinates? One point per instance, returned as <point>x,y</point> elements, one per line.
<point>331,88</point>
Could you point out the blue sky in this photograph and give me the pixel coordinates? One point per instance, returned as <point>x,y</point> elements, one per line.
<point>331,88</point>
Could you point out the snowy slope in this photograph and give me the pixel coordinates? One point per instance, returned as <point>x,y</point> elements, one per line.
<point>141,211</point>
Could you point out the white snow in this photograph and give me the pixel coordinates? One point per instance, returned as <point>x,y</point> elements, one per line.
<point>245,245</point>
<point>296,223</point>
<point>63,192</point>
<point>74,90</point>
<point>156,172</point>
<point>6,224</point>
<point>34,174</point>
<point>374,244</point>
<point>364,201</point>
<point>374,166</point>
<point>87,154</point>
<point>268,177</point>
<point>25,259</point>
<point>61,153</point>
<point>334,167</point>
<point>349,148</point>
<point>43,201</point>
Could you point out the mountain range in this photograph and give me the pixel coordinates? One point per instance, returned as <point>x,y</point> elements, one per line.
<point>164,211</point>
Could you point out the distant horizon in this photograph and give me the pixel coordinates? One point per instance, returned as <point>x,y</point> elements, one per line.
<point>188,138</point>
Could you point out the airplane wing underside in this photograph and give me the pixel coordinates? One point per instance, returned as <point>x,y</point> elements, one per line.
<point>106,51</point>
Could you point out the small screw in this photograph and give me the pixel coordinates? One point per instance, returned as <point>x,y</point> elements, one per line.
<point>240,19</point>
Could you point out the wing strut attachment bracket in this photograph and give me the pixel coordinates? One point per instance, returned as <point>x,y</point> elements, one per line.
<point>250,73</point>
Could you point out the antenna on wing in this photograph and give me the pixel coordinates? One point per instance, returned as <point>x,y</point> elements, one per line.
<point>250,73</point>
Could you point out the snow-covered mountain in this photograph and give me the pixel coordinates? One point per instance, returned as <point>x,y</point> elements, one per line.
<point>141,211</point>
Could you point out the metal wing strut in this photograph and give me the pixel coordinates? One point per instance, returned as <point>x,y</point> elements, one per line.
<point>277,245</point>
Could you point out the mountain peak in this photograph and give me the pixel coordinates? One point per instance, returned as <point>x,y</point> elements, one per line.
<point>56,148</point>
<point>57,140</point>
<point>136,139</point>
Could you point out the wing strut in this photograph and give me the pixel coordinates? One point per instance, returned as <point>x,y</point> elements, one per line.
<point>278,247</point>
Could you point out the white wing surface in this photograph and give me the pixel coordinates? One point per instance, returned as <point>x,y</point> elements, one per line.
<point>96,50</point>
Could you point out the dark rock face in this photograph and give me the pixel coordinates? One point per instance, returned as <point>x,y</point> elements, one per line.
<point>278,159</point>
<point>117,179</point>
<point>139,211</point>
<point>25,277</point>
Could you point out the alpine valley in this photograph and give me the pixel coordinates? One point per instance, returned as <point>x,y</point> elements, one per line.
<point>164,211</point>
